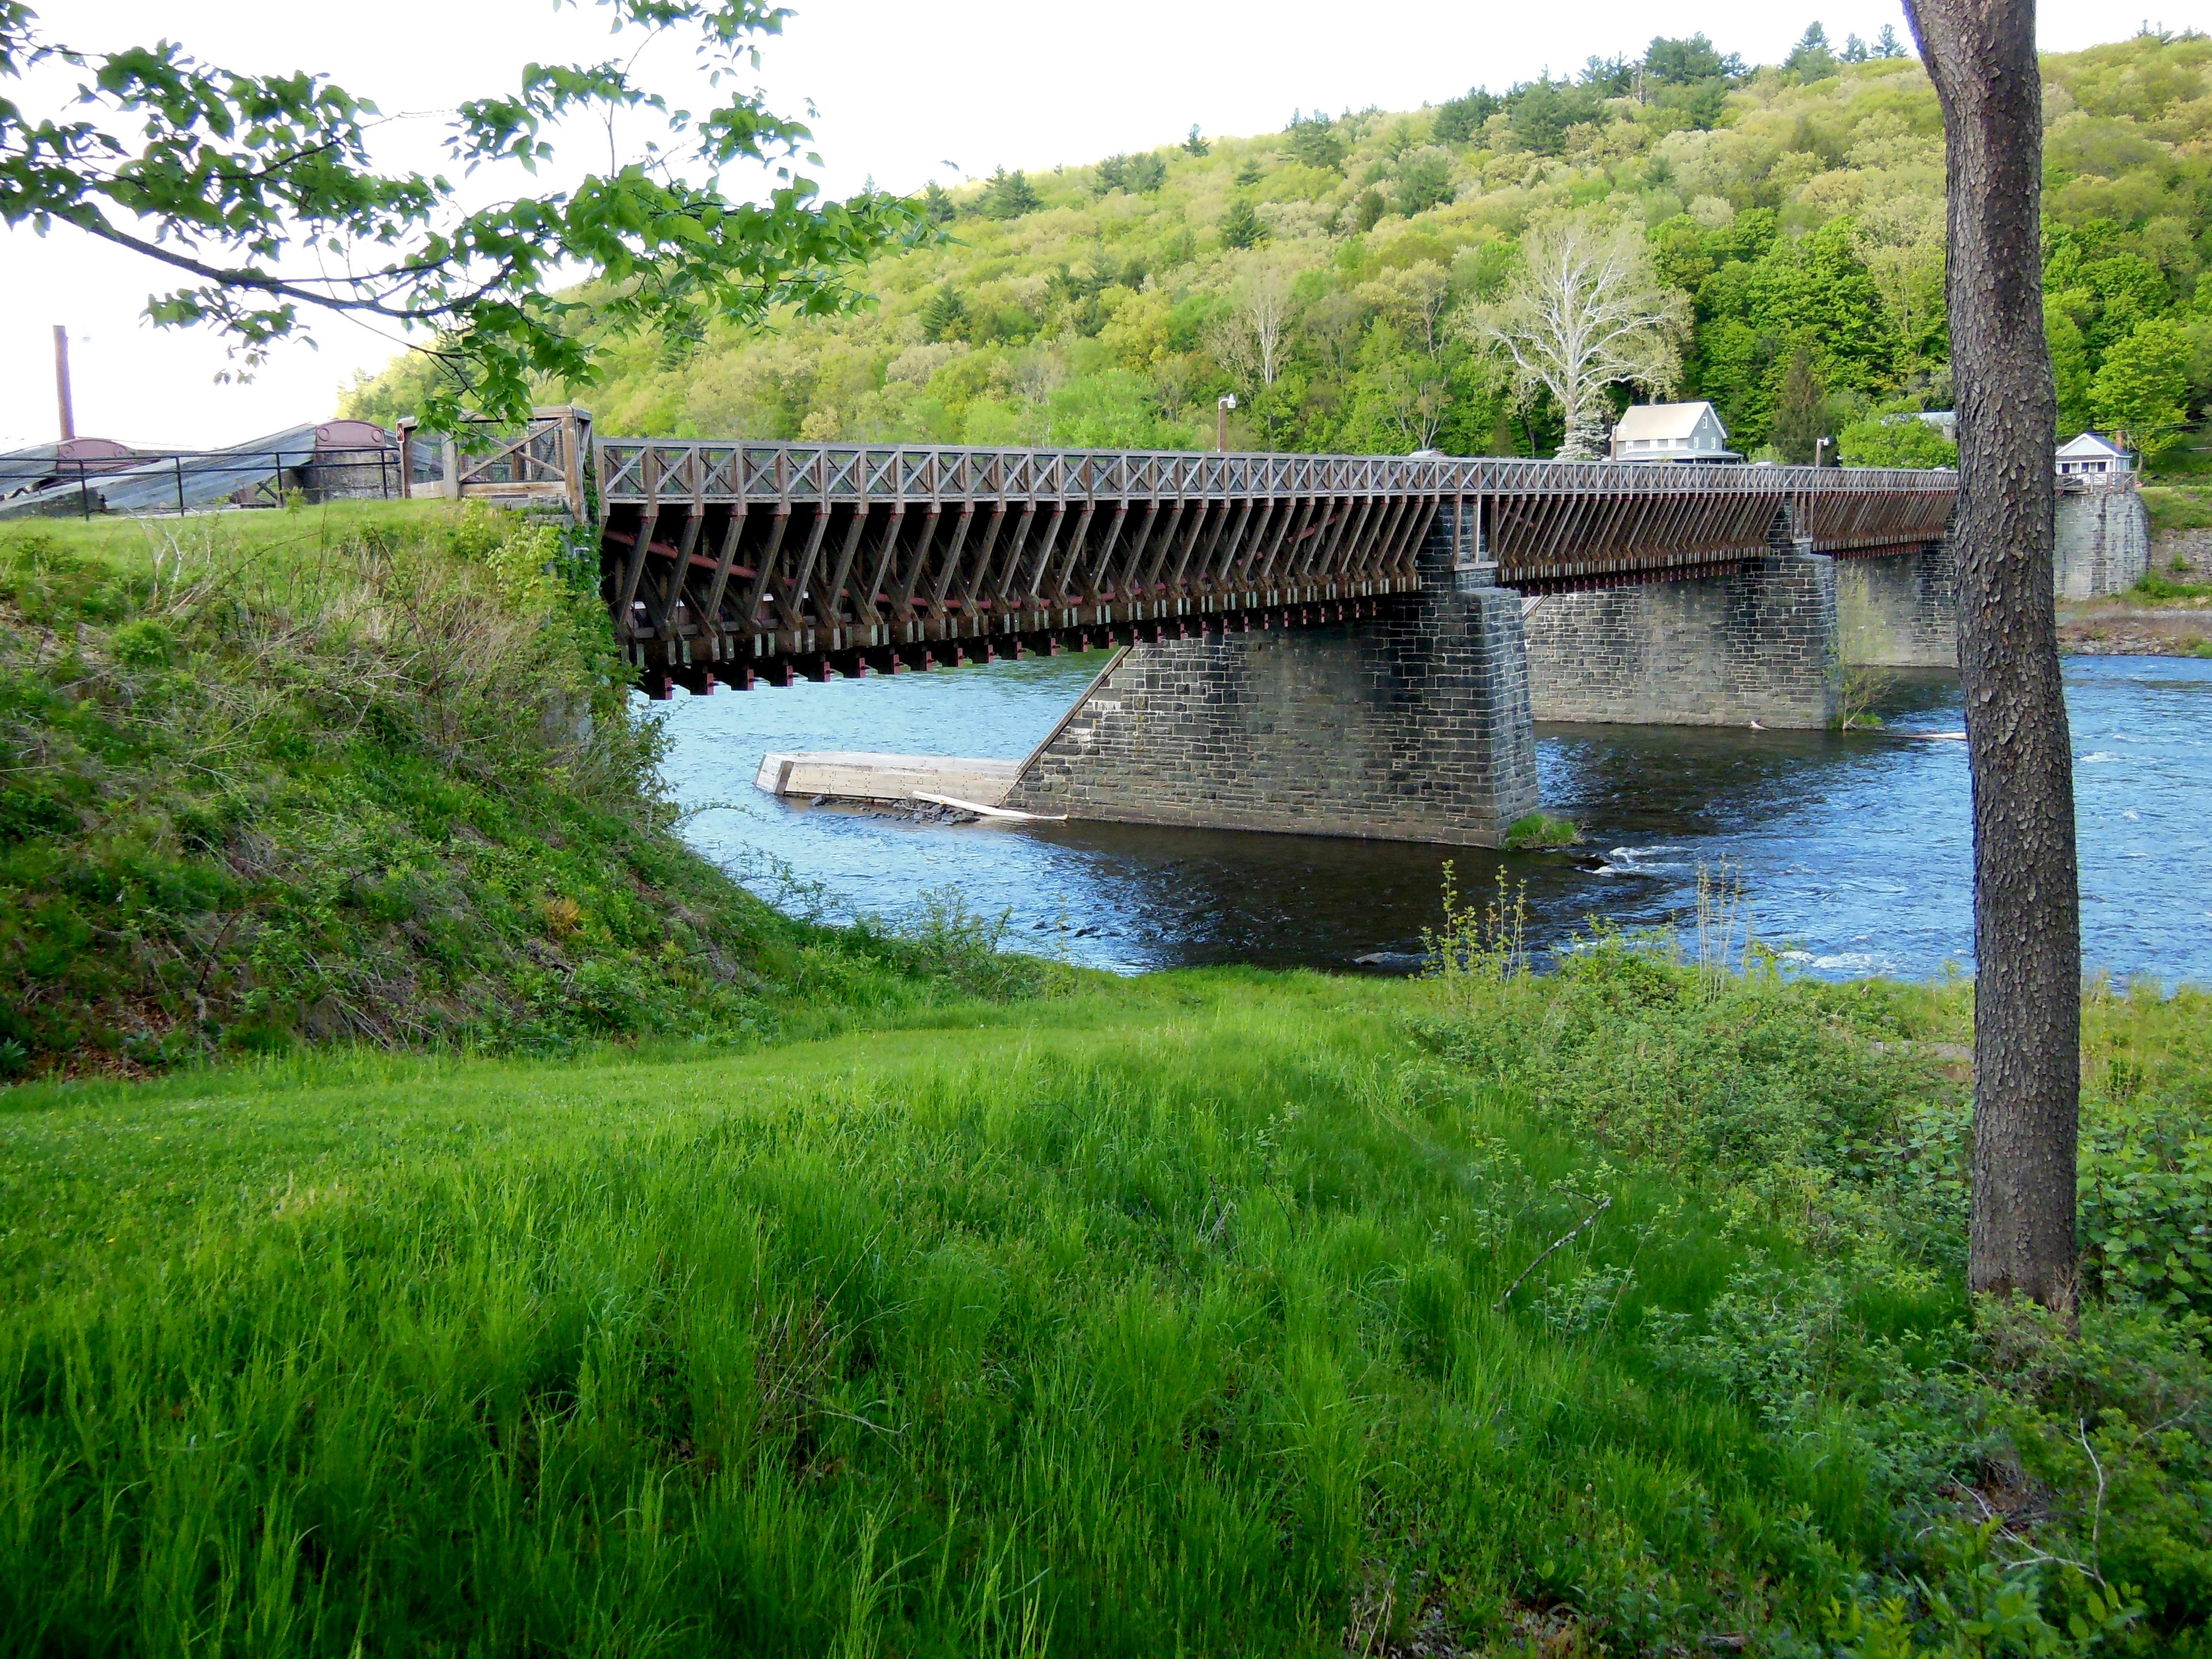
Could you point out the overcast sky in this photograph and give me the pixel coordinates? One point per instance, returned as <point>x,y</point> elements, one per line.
<point>903,92</point>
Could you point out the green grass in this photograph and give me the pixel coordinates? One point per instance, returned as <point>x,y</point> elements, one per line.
<point>2157,590</point>
<point>1147,1321</point>
<point>1538,830</point>
<point>289,534</point>
<point>2188,458</point>
<point>707,1282</point>
<point>1184,1315</point>
<point>2178,506</point>
<point>363,772</point>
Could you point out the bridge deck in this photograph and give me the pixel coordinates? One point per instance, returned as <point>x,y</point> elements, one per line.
<point>771,556</point>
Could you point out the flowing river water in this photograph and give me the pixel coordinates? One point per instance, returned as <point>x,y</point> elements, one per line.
<point>1853,849</point>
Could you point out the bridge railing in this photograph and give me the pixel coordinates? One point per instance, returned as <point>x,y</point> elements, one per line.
<point>541,462</point>
<point>645,470</point>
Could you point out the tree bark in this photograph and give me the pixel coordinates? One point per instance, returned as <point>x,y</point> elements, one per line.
<point>2027,939</point>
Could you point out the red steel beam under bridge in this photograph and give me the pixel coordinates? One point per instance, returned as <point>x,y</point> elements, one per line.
<point>732,559</point>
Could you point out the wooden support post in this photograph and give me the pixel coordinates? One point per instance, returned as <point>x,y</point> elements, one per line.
<point>723,560</point>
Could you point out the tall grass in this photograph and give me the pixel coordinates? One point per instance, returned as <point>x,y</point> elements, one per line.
<point>369,777</point>
<point>1835,1120</point>
<point>1160,1321</point>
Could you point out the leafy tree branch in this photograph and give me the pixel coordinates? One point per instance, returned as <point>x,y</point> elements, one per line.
<point>261,193</point>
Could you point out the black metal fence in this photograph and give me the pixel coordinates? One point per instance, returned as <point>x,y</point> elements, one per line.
<point>182,480</point>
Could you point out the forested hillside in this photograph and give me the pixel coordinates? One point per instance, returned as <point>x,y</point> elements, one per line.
<point>1342,276</point>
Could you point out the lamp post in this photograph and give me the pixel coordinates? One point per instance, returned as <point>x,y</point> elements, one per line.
<point>1221,408</point>
<point>1819,448</point>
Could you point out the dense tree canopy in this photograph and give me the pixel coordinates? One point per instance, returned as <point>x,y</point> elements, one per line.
<point>1795,213</point>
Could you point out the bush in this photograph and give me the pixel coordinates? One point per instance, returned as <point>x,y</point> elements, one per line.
<point>1538,830</point>
<point>1895,441</point>
<point>2028,1475</point>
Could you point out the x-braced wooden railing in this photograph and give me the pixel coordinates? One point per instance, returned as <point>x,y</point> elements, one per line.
<point>728,558</point>
<point>542,465</point>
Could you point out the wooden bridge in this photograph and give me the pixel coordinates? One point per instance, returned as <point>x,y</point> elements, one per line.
<point>725,560</point>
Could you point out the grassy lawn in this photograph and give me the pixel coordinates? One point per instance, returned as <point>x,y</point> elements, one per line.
<point>1180,1316</point>
<point>2178,505</point>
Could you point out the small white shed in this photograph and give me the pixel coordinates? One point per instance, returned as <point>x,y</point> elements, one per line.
<point>1671,432</point>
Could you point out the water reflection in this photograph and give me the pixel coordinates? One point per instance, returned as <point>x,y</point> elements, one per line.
<point>1854,848</point>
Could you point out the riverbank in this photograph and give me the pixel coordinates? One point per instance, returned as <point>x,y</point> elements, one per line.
<point>268,786</point>
<point>2116,628</point>
<point>2169,612</point>
<point>1213,1312</point>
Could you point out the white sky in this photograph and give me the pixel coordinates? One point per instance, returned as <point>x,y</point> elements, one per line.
<point>902,91</point>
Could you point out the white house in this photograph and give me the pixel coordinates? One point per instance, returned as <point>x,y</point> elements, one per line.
<point>1672,432</point>
<point>2089,454</point>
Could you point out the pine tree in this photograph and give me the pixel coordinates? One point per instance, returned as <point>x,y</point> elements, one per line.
<point>1811,60</point>
<point>1195,145</point>
<point>944,315</point>
<point>1801,414</point>
<point>1458,120</point>
<point>1241,226</point>
<point>1316,141</point>
<point>936,203</point>
<point>1009,196</point>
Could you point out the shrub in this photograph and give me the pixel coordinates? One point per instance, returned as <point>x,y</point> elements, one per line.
<point>1538,830</point>
<point>2030,1476</point>
<point>1895,441</point>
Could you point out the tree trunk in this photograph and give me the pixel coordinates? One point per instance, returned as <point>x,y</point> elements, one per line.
<point>2027,938</point>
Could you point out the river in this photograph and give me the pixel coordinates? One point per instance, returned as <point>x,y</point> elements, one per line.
<point>1852,849</point>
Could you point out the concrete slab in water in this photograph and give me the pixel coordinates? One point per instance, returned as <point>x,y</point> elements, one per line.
<point>847,775</point>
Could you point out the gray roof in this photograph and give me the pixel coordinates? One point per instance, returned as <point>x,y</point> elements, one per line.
<point>39,465</point>
<point>2090,445</point>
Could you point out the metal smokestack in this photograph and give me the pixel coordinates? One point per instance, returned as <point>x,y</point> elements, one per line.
<point>62,382</point>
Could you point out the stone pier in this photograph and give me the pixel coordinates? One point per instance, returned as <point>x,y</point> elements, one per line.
<point>1900,611</point>
<point>1411,726</point>
<point>1757,644</point>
